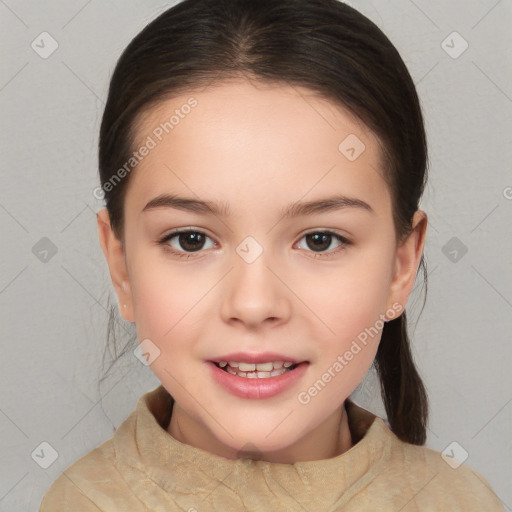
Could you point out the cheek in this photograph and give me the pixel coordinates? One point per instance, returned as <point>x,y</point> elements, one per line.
<point>168,304</point>
<point>351,297</point>
<point>170,311</point>
<point>349,307</point>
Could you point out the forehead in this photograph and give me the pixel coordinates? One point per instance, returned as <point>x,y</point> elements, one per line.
<point>243,141</point>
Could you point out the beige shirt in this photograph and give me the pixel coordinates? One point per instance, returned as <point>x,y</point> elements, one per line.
<point>143,468</point>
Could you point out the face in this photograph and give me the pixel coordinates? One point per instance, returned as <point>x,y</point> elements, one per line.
<point>245,281</point>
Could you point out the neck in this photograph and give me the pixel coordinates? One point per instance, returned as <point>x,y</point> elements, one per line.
<point>330,439</point>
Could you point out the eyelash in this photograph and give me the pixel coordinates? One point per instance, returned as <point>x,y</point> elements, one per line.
<point>164,242</point>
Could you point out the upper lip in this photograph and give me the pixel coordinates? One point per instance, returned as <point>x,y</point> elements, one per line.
<point>265,357</point>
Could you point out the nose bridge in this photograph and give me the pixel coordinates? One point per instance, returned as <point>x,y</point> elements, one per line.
<point>255,292</point>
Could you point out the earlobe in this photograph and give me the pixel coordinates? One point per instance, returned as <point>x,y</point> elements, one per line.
<point>114,254</point>
<point>408,257</point>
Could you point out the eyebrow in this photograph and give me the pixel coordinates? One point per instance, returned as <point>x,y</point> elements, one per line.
<point>300,208</point>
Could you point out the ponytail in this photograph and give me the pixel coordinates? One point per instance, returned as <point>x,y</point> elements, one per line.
<point>402,389</point>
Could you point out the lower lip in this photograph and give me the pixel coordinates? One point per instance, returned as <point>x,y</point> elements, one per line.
<point>257,388</point>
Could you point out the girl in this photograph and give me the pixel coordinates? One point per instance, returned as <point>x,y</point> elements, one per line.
<point>262,164</point>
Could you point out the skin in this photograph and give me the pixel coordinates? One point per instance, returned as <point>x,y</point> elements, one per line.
<point>259,148</point>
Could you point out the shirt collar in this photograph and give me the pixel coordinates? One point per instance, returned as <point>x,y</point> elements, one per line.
<point>142,443</point>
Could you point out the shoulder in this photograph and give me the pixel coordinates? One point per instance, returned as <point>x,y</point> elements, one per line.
<point>414,478</point>
<point>70,489</point>
<point>90,484</point>
<point>430,480</point>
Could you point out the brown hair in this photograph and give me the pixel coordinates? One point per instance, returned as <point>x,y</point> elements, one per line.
<point>323,45</point>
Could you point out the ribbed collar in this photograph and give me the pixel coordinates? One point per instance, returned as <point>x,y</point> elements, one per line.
<point>155,463</point>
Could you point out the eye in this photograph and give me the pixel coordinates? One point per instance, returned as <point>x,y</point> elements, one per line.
<point>321,240</point>
<point>189,240</point>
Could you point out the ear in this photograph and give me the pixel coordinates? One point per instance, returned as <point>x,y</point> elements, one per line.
<point>114,253</point>
<point>407,260</point>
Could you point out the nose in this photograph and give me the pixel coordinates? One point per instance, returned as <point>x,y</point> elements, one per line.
<point>254,294</point>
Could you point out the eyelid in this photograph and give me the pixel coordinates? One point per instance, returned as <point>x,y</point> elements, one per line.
<point>185,229</point>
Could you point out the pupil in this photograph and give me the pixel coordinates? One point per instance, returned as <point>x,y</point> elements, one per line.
<point>321,240</point>
<point>197,237</point>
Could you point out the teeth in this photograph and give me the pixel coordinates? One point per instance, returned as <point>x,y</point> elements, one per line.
<point>264,367</point>
<point>259,367</point>
<point>253,370</point>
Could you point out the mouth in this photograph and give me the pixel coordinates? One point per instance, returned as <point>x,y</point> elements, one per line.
<point>257,380</point>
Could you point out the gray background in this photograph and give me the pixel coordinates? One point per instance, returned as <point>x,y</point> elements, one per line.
<point>54,306</point>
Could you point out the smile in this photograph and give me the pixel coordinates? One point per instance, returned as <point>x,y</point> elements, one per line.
<point>255,384</point>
